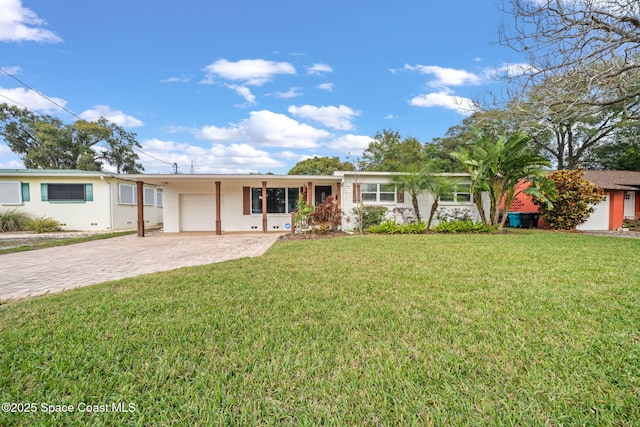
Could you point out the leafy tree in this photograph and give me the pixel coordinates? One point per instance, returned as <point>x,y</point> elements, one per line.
<point>45,142</point>
<point>388,152</point>
<point>573,197</point>
<point>594,44</point>
<point>320,166</point>
<point>622,153</point>
<point>497,167</point>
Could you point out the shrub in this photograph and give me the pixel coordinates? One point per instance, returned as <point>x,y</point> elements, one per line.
<point>371,215</point>
<point>391,227</point>
<point>327,213</point>
<point>13,220</point>
<point>573,199</point>
<point>455,214</point>
<point>43,224</point>
<point>461,226</point>
<point>303,213</point>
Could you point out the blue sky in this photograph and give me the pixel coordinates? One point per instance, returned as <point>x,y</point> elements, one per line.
<point>251,85</point>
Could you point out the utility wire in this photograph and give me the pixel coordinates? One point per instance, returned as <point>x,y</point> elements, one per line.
<point>63,108</point>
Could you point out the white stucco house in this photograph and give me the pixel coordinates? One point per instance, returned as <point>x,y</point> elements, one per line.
<point>80,200</point>
<point>235,203</point>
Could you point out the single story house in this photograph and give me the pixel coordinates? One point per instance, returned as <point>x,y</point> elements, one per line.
<point>235,203</point>
<point>81,200</point>
<point>622,200</point>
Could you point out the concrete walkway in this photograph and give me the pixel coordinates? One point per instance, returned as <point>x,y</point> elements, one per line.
<point>42,271</point>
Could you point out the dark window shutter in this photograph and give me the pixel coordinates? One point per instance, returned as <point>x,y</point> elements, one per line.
<point>356,193</point>
<point>246,200</point>
<point>88,192</point>
<point>44,192</point>
<point>26,197</point>
<point>400,194</point>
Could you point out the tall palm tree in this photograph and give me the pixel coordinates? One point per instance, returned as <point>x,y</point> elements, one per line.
<point>438,186</point>
<point>414,182</point>
<point>497,168</point>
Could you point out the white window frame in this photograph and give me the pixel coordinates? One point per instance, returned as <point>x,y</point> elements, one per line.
<point>159,198</point>
<point>379,193</point>
<point>6,190</point>
<point>133,194</point>
<point>459,194</point>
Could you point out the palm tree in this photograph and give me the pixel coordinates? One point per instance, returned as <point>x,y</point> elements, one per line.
<point>414,182</point>
<point>497,168</point>
<point>438,186</point>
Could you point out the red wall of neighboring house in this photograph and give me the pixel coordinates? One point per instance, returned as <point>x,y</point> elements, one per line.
<point>523,203</point>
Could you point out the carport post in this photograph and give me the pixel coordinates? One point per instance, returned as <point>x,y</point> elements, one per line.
<point>140,201</point>
<point>264,206</point>
<point>309,193</point>
<point>218,219</point>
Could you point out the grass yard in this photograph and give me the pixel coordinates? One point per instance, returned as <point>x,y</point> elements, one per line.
<point>527,328</point>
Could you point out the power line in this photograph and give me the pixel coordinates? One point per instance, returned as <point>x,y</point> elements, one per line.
<point>41,94</point>
<point>63,108</point>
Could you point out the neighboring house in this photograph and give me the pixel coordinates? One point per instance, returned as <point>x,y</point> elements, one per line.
<point>622,191</point>
<point>235,203</point>
<point>79,200</point>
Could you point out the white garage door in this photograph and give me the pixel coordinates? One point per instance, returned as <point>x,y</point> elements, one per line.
<point>197,212</point>
<point>599,219</point>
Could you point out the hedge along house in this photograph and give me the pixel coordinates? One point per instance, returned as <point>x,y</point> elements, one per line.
<point>235,203</point>
<point>80,200</point>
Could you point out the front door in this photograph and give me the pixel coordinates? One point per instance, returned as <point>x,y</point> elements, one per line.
<point>322,192</point>
<point>629,204</point>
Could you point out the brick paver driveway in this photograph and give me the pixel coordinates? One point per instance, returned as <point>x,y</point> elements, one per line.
<point>49,270</point>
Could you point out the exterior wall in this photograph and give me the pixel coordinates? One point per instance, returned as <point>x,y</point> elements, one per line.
<point>125,216</point>
<point>232,217</point>
<point>524,203</point>
<point>425,201</point>
<point>101,213</point>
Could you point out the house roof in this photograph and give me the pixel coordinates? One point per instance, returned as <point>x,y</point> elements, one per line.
<point>615,180</point>
<point>50,172</point>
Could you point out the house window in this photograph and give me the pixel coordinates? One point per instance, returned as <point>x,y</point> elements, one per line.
<point>279,200</point>
<point>627,195</point>
<point>11,192</point>
<point>67,192</point>
<point>383,193</point>
<point>149,196</point>
<point>126,194</point>
<point>461,194</point>
<point>159,199</point>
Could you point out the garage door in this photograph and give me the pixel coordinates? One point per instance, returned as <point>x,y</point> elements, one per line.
<point>197,212</point>
<point>599,219</point>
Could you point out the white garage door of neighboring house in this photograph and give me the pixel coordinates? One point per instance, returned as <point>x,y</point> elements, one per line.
<point>599,219</point>
<point>197,212</point>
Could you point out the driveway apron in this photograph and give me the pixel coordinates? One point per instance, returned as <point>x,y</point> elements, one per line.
<point>43,271</point>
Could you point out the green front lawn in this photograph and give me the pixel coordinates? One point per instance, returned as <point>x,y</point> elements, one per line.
<point>527,328</point>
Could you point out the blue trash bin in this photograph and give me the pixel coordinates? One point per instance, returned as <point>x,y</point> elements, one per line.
<point>514,220</point>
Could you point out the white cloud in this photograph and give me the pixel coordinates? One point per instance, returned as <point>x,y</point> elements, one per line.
<point>350,144</point>
<point>445,77</point>
<point>217,158</point>
<point>477,59</point>
<point>253,72</point>
<point>511,70</point>
<point>446,99</point>
<point>293,92</point>
<point>268,129</point>
<point>319,69</point>
<point>326,86</point>
<point>18,24</point>
<point>30,99</point>
<point>181,79</point>
<point>390,117</point>
<point>334,117</point>
<point>114,116</point>
<point>244,92</point>
<point>13,70</point>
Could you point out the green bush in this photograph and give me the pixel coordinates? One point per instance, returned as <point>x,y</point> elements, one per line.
<point>461,226</point>
<point>371,215</point>
<point>13,220</point>
<point>391,227</point>
<point>43,224</point>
